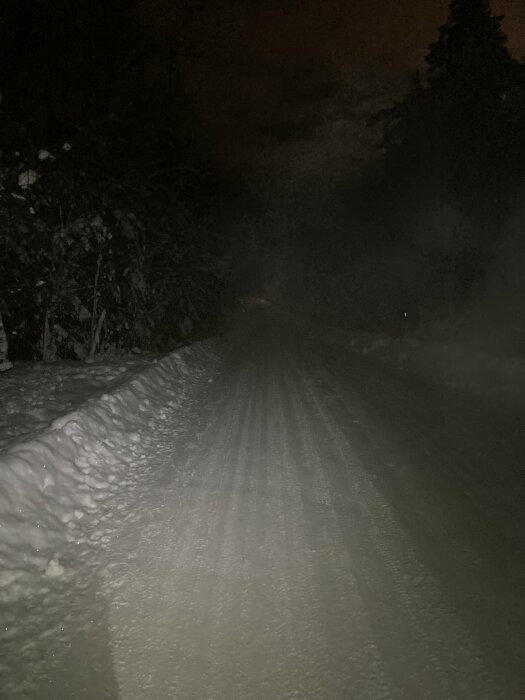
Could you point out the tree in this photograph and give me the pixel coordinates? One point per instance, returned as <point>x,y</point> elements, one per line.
<point>458,133</point>
<point>469,104</point>
<point>471,45</point>
<point>4,362</point>
<point>455,151</point>
<point>481,90</point>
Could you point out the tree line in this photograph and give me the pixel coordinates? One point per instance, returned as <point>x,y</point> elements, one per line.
<point>106,242</point>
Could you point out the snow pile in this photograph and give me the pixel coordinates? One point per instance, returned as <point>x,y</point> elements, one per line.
<point>36,393</point>
<point>51,486</point>
<point>454,364</point>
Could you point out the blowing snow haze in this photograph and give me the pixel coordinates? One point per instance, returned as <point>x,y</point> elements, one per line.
<point>262,349</point>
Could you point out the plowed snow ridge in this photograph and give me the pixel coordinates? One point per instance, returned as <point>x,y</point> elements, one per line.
<point>52,483</point>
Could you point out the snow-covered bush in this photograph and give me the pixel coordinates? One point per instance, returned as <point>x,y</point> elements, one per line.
<point>98,256</point>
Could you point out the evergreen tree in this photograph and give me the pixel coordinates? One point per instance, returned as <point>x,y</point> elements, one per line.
<point>480,87</point>
<point>460,128</point>
<point>470,52</point>
<point>455,150</point>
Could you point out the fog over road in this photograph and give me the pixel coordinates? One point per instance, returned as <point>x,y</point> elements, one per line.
<point>324,528</point>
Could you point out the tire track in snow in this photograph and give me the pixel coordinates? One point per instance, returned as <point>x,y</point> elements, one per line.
<point>457,656</point>
<point>350,663</point>
<point>472,543</point>
<point>401,601</point>
<point>171,582</point>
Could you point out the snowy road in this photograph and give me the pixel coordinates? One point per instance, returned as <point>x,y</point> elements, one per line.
<point>322,528</point>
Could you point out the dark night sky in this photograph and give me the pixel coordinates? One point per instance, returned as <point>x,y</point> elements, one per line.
<point>291,82</point>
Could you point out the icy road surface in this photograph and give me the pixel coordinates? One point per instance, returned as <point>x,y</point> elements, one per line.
<point>317,527</point>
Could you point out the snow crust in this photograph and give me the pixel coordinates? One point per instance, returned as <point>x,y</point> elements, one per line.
<point>53,485</point>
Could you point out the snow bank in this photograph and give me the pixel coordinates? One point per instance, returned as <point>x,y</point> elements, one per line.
<point>49,485</point>
<point>456,365</point>
<point>34,394</point>
<point>453,364</point>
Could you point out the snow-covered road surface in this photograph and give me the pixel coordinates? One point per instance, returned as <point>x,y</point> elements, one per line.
<point>313,526</point>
